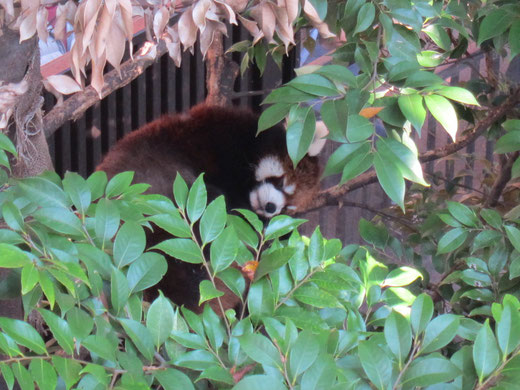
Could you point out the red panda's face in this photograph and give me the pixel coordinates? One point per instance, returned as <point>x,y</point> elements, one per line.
<point>282,188</point>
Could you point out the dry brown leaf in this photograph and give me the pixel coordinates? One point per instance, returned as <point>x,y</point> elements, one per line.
<point>60,27</point>
<point>312,15</point>
<point>207,36</point>
<point>291,7</point>
<point>283,27</point>
<point>264,16</point>
<point>90,16</point>
<point>237,5</point>
<point>115,45</point>
<point>227,10</point>
<point>62,83</point>
<point>125,6</point>
<point>41,24</point>
<point>249,269</point>
<point>8,8</point>
<point>28,24</point>
<point>200,9</point>
<point>369,112</point>
<point>101,35</point>
<point>174,45</point>
<point>252,27</point>
<point>160,20</point>
<point>111,6</point>
<point>187,29</point>
<point>97,80</point>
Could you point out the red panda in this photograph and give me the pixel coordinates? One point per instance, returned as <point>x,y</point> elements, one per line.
<point>250,171</point>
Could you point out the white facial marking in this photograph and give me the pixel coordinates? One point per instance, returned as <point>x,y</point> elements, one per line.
<point>269,166</point>
<point>289,189</point>
<point>266,200</point>
<point>291,207</point>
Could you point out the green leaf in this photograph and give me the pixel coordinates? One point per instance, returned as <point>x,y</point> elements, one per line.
<point>439,332</point>
<point>67,369</point>
<point>217,374</point>
<point>402,276</point>
<point>129,244</point>
<point>140,336</point>
<point>365,17</point>
<point>159,319</point>
<point>259,382</point>
<point>7,144</point>
<point>494,24</point>
<point>443,111</point>
<point>97,183</point>
<point>118,184</point>
<point>463,214</point>
<point>12,257</point>
<point>340,157</point>
<point>321,375</point>
<point>261,350</point>
<point>514,38</point>
<point>429,58</point>
<point>197,199</point>
<point>273,260</point>
<point>439,36</point>
<point>413,109</point>
<point>7,374</point>
<point>430,371</point>
<point>492,218</point>
<point>119,290</point>
<point>359,128</point>
<point>48,287</point>
<point>452,240</point>
<point>509,142</point>
<point>60,330</point>
<point>180,191</point>
<point>422,78</point>
<point>406,160</point>
<point>172,379</point>
<point>223,250</point>
<point>300,133</point>
<point>173,223</point>
<point>513,234</point>
<point>511,125</point>
<point>398,335</point>
<point>60,220</point>
<point>375,363</point>
<point>486,355</point>
<point>146,271</point>
<point>422,311</point>
<point>23,334</point>
<point>23,376</point>
<point>43,192</point>
<point>314,84</point>
<point>80,323</point>
<point>272,115</point>
<point>390,178</point>
<point>213,221</point>
<point>338,73</point>
<point>458,94</point>
<point>12,216</point>
<point>43,374</point>
<point>507,331</point>
<point>281,225</point>
<point>373,234</point>
<point>312,295</point>
<point>181,248</point>
<point>287,94</point>
<point>208,291</point>
<point>30,277</point>
<point>107,220</point>
<point>303,353</point>
<point>78,190</point>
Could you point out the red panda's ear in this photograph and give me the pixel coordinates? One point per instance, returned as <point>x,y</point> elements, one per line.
<point>319,139</point>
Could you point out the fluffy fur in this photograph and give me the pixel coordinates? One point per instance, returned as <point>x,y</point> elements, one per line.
<point>252,172</point>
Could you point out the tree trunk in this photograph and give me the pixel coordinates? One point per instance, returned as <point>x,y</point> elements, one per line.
<point>20,65</point>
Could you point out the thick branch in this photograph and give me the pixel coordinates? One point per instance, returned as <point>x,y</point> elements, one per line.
<point>330,195</point>
<point>221,73</point>
<point>74,107</point>
<point>503,177</point>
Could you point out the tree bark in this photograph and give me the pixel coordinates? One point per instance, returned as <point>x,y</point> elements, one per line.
<point>221,73</point>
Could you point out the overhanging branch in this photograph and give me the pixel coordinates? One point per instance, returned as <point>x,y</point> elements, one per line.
<point>74,107</point>
<point>331,195</point>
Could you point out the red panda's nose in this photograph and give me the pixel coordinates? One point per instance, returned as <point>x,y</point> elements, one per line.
<point>270,207</point>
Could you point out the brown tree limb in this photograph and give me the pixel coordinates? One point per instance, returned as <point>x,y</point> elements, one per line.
<point>221,73</point>
<point>330,195</point>
<point>503,177</point>
<point>74,107</point>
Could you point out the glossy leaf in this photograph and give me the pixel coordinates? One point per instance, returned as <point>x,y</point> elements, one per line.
<point>439,332</point>
<point>443,111</point>
<point>129,244</point>
<point>197,199</point>
<point>486,355</point>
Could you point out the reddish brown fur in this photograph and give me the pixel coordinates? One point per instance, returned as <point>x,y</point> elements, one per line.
<point>222,143</point>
